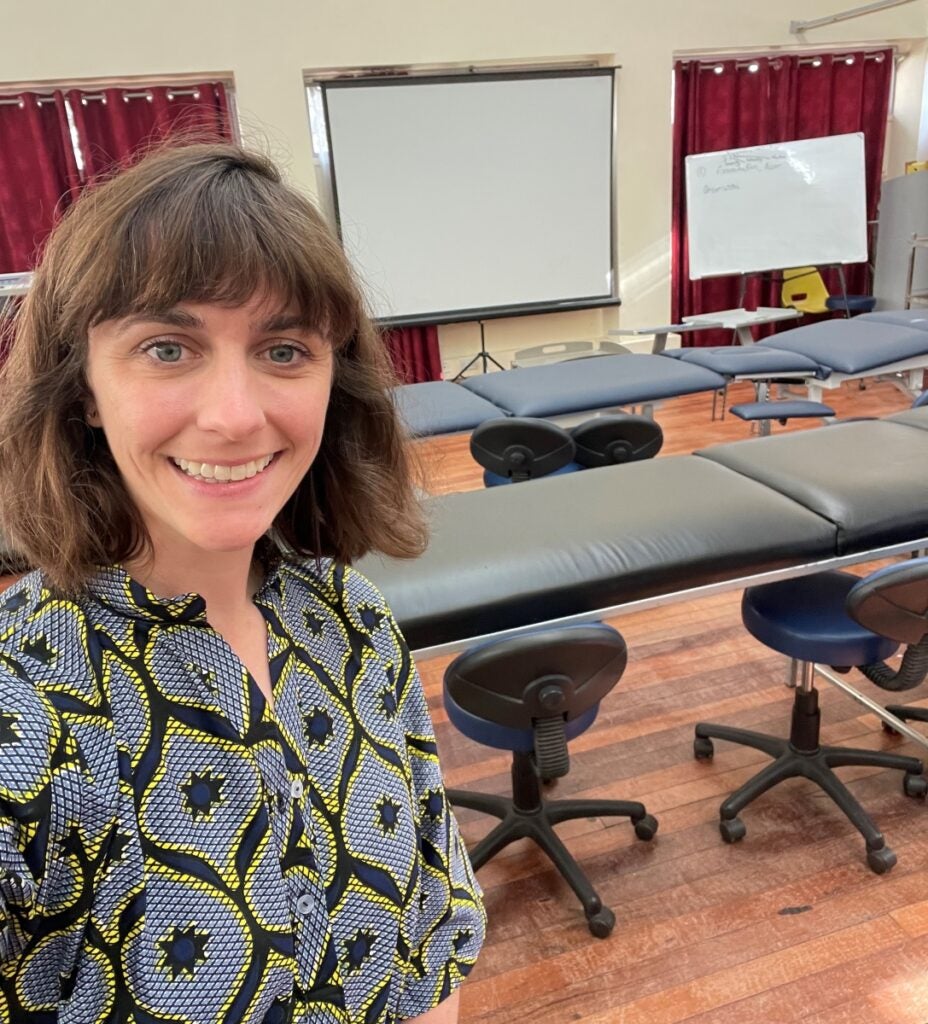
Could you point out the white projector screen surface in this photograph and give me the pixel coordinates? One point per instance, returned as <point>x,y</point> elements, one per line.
<point>477,194</point>
<point>788,204</point>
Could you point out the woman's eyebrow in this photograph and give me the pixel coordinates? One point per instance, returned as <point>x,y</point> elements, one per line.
<point>168,317</point>
<point>282,322</point>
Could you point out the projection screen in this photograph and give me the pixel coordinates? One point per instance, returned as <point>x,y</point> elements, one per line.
<point>469,196</point>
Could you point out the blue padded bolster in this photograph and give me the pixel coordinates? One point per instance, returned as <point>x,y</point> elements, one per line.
<point>596,383</point>
<point>798,408</point>
<point>495,480</point>
<point>852,346</point>
<point>504,737</point>
<point>733,360</point>
<point>852,303</point>
<point>441,407</point>
<point>805,618</point>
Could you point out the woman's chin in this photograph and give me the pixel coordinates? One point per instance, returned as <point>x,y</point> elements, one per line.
<point>226,541</point>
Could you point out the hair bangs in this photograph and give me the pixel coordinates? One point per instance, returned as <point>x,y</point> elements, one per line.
<point>223,240</point>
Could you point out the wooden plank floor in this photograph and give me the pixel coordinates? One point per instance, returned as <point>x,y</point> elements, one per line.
<point>788,925</point>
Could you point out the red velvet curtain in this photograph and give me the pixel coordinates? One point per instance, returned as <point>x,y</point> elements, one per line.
<point>415,354</point>
<point>782,98</point>
<point>38,175</point>
<point>114,124</point>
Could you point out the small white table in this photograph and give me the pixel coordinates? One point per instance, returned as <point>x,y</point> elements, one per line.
<point>14,284</point>
<point>660,333</point>
<point>742,320</point>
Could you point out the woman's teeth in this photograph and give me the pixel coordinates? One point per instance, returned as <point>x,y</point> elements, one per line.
<point>212,474</point>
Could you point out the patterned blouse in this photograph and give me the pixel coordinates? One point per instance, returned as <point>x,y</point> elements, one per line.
<point>171,850</point>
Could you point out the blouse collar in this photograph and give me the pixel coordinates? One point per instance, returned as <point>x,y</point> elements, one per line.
<point>114,588</point>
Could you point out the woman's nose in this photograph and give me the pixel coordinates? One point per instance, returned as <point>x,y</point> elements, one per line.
<point>231,403</point>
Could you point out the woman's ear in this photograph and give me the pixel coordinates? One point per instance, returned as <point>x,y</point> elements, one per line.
<point>91,415</point>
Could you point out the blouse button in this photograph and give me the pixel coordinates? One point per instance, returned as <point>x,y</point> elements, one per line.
<point>304,904</point>
<point>296,789</point>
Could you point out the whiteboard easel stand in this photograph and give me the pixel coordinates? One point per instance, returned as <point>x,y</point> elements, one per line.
<point>482,355</point>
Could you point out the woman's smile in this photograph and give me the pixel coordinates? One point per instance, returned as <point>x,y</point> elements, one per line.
<point>216,472</point>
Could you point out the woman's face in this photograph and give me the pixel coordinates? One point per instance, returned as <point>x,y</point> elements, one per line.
<point>213,415</point>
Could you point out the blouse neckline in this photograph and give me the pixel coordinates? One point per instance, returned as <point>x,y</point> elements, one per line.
<point>116,590</point>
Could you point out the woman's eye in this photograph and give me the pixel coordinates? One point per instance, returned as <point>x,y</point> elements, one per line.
<point>165,351</point>
<point>282,354</point>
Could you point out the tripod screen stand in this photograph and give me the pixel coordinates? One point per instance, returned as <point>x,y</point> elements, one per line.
<point>482,356</point>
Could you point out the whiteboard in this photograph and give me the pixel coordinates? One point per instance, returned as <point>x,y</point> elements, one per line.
<point>788,204</point>
<point>460,197</point>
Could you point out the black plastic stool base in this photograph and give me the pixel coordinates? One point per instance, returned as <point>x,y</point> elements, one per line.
<point>522,817</point>
<point>812,762</point>
<point>908,714</point>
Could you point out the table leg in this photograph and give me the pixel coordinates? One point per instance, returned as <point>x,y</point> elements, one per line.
<point>744,336</point>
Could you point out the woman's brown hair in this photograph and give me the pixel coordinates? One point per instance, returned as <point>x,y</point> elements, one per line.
<point>197,223</point>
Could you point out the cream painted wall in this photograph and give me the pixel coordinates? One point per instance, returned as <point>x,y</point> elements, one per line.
<point>267,47</point>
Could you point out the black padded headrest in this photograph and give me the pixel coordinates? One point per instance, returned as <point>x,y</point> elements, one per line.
<point>501,681</point>
<point>893,601</point>
<point>622,437</point>
<point>521,448</point>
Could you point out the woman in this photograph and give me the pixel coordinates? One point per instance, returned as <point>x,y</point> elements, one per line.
<point>219,793</point>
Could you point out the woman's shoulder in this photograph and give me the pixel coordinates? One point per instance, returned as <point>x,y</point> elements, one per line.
<point>49,696</point>
<point>341,583</point>
<point>44,645</point>
<point>34,627</point>
<point>20,600</point>
<point>324,589</point>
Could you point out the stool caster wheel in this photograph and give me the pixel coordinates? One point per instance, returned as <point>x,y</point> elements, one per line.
<point>889,730</point>
<point>914,785</point>
<point>732,830</point>
<point>703,748</point>
<point>601,923</point>
<point>646,827</point>
<point>880,861</point>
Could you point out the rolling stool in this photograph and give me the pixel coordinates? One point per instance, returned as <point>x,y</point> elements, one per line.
<point>520,448</point>
<point>810,620</point>
<point>531,694</point>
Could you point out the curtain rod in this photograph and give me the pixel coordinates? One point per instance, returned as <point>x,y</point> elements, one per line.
<point>18,101</point>
<point>750,63</point>
<point>796,27</point>
<point>806,53</point>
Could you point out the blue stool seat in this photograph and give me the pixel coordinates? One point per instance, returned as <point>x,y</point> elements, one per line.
<point>491,479</point>
<point>805,619</point>
<point>505,737</point>
<point>798,408</point>
<point>852,303</point>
